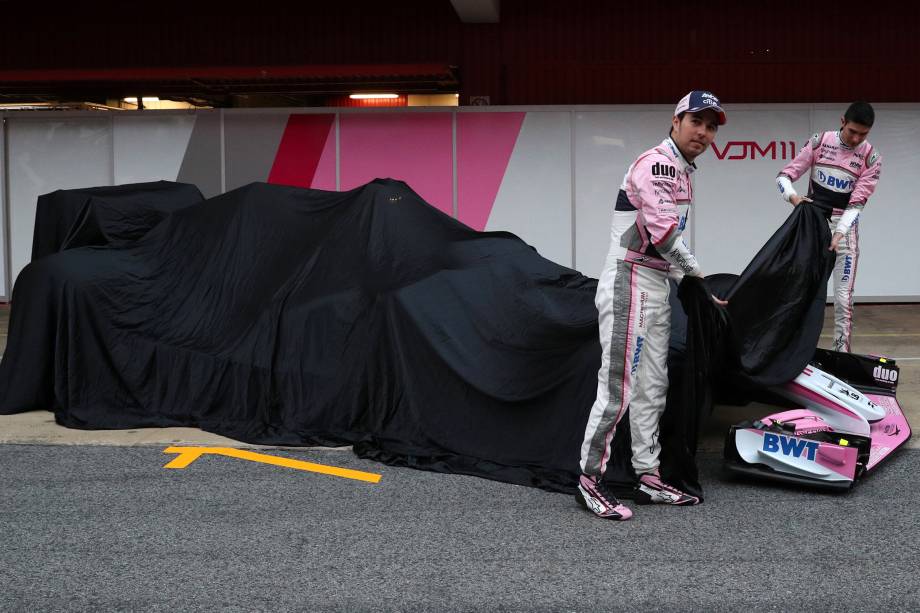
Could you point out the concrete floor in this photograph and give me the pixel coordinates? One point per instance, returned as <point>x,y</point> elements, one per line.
<point>892,330</point>
<point>92,521</point>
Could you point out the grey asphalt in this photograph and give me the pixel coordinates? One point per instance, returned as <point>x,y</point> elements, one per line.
<point>90,528</point>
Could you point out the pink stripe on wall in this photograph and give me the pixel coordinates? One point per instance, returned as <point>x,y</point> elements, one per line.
<point>412,147</point>
<point>324,177</point>
<point>484,145</point>
<point>303,145</point>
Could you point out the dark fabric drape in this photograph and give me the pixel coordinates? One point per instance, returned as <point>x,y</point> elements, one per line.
<point>777,304</point>
<point>118,214</point>
<point>279,315</point>
<point>765,336</point>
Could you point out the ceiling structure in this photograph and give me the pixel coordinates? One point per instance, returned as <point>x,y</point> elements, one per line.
<point>477,11</point>
<point>220,86</point>
<point>340,50</point>
<point>511,52</point>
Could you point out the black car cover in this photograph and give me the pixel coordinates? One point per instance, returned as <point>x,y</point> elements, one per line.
<point>279,315</point>
<point>765,336</point>
<point>118,214</point>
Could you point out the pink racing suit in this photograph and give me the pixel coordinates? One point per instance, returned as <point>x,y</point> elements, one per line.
<point>842,180</point>
<point>646,247</point>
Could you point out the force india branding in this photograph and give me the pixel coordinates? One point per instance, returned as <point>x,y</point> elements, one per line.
<point>752,150</point>
<point>777,443</point>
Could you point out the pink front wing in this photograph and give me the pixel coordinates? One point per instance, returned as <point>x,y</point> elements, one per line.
<point>888,433</point>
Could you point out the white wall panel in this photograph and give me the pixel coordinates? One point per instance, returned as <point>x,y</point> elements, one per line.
<point>737,204</point>
<point>534,200</point>
<point>251,140</point>
<point>202,162</point>
<point>46,154</point>
<point>606,143</point>
<point>150,146</point>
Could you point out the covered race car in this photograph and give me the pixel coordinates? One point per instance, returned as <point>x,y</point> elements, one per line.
<point>848,420</point>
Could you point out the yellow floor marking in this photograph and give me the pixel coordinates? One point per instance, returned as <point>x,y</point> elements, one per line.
<point>187,455</point>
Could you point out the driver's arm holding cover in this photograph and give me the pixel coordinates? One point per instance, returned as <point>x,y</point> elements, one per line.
<point>801,164</point>
<point>864,188</point>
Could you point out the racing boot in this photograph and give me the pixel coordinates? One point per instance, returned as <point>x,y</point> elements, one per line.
<point>599,500</point>
<point>652,490</point>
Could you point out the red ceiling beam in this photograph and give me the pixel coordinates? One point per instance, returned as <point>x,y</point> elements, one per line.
<point>227,73</point>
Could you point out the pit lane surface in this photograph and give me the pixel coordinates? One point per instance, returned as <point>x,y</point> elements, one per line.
<point>109,528</point>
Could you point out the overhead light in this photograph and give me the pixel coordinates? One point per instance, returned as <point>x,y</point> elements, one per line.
<point>133,99</point>
<point>373,96</point>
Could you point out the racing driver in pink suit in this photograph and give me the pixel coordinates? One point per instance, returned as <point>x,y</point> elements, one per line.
<point>646,248</point>
<point>844,170</point>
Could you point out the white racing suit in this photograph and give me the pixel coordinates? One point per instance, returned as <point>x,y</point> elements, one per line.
<point>634,316</point>
<point>842,179</point>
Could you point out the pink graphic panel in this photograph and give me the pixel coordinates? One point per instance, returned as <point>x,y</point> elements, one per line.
<point>324,177</point>
<point>411,147</point>
<point>484,145</point>
<point>304,145</point>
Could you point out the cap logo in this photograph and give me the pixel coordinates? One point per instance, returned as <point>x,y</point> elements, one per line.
<point>698,100</point>
<point>708,99</point>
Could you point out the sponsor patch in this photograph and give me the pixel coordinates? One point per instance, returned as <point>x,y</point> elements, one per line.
<point>663,170</point>
<point>777,443</point>
<point>887,375</point>
<point>840,184</point>
<point>847,268</point>
<point>636,355</point>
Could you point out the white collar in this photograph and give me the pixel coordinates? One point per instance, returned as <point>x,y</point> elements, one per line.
<point>840,140</point>
<point>685,166</point>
